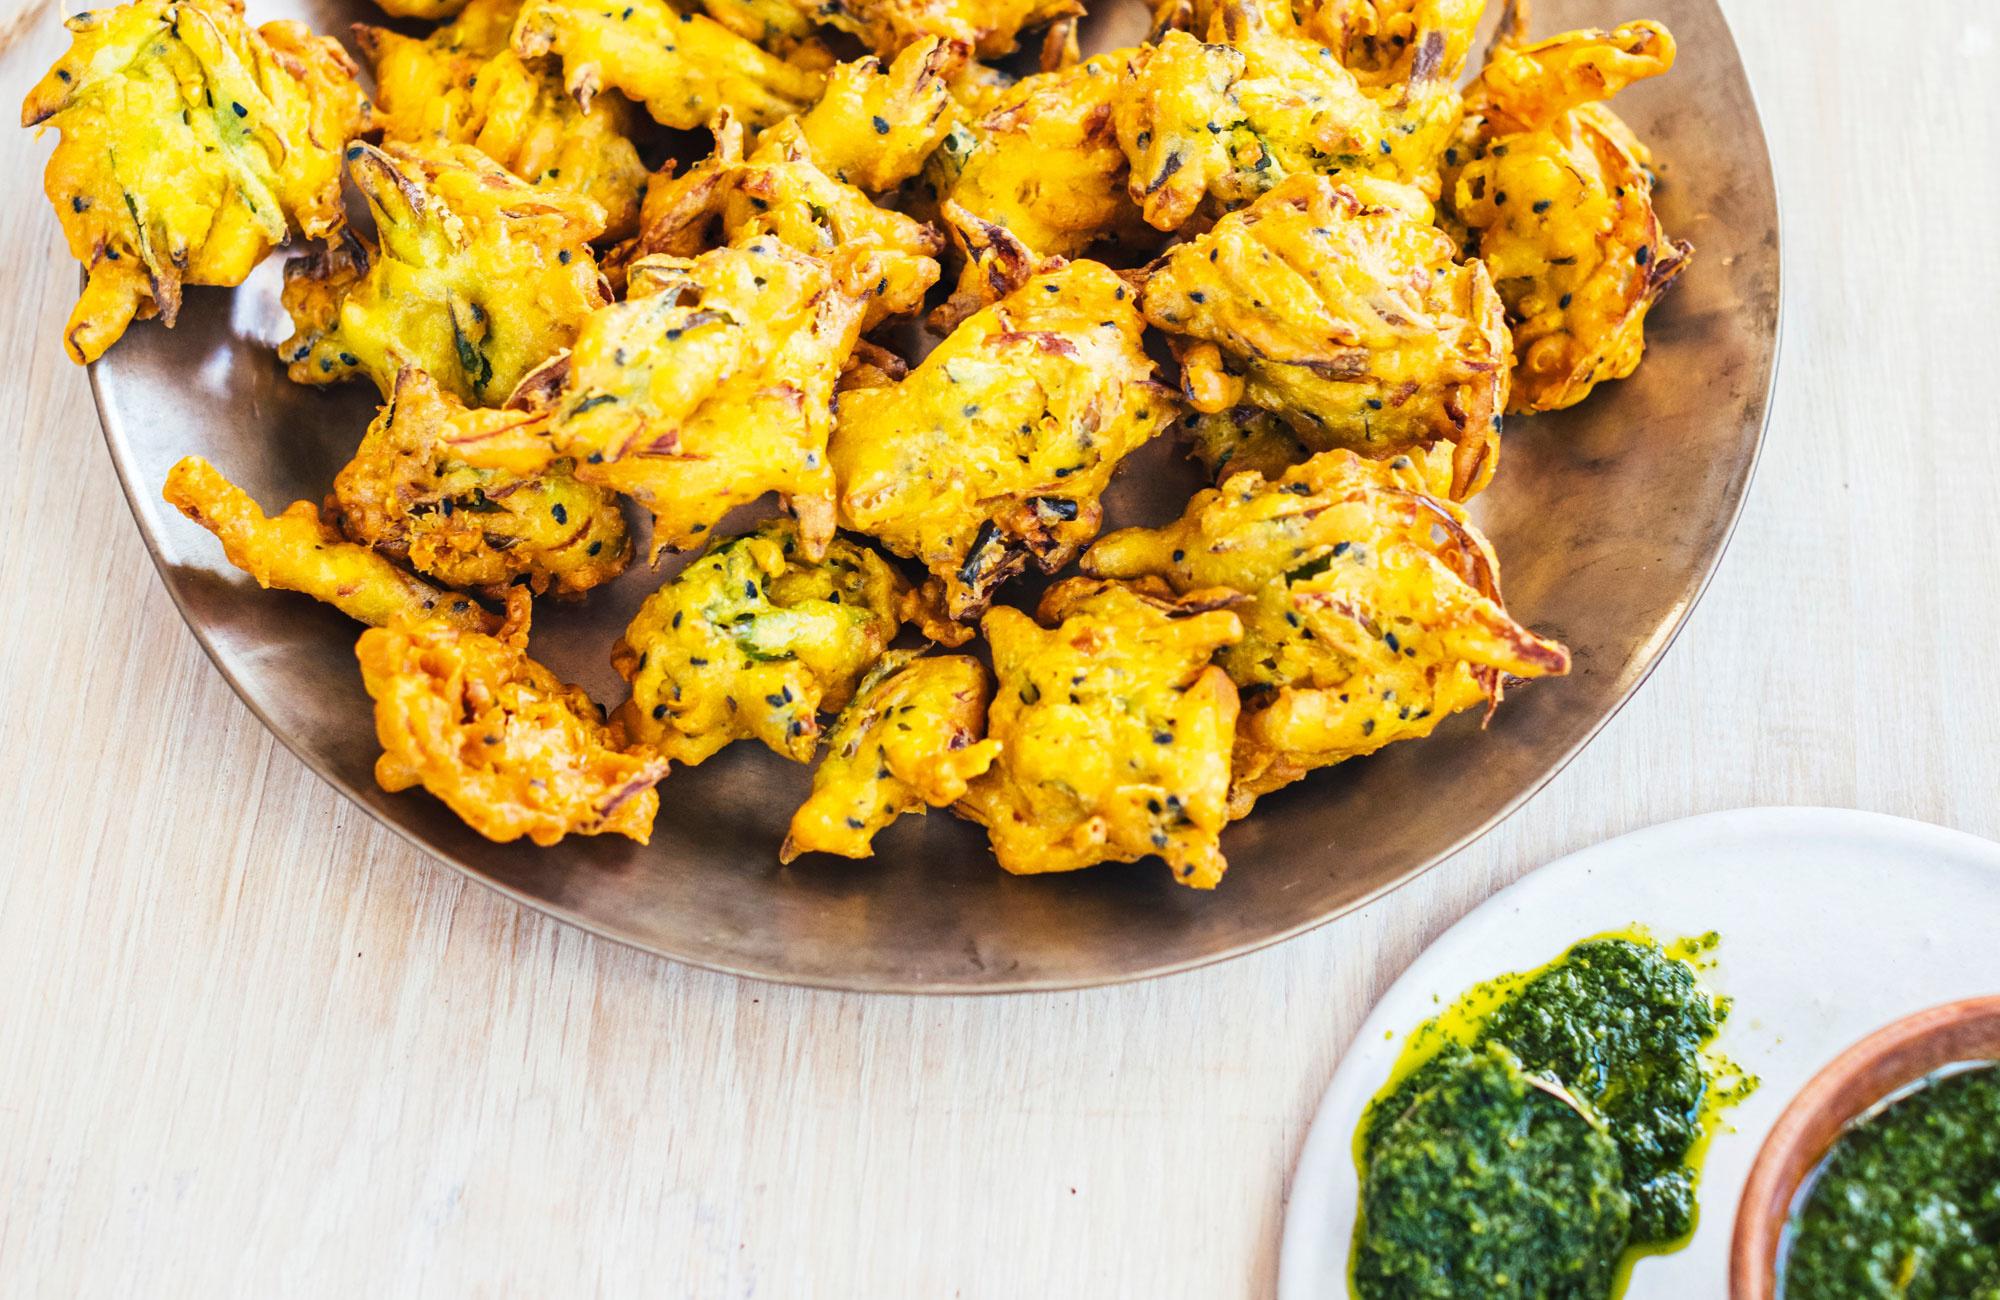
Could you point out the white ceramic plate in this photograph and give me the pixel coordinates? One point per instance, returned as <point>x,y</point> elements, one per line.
<point>1833,923</point>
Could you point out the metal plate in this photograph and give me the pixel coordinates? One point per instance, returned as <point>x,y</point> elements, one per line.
<point>1608,520</point>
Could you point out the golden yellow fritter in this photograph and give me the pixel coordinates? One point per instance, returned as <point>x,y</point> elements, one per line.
<point>994,451</point>
<point>1227,117</point>
<point>479,277</point>
<point>875,126</point>
<point>681,66</point>
<point>878,257</point>
<point>1115,731</point>
<point>1373,609</point>
<point>990,27</point>
<point>1037,175</point>
<point>710,385</point>
<point>1245,438</point>
<point>295,551</point>
<point>1354,323</point>
<point>752,641</point>
<point>1394,42</point>
<point>909,740</point>
<point>463,85</point>
<point>1557,200</point>
<point>499,738</point>
<point>192,144</point>
<point>410,494</point>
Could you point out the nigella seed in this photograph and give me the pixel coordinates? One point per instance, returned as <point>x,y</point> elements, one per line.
<point>595,547</point>
<point>1395,646</point>
<point>881,126</point>
<point>561,515</point>
<point>659,711</point>
<point>1643,255</point>
<point>677,617</point>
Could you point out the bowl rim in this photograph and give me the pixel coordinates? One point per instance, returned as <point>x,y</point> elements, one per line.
<point>1899,1054</point>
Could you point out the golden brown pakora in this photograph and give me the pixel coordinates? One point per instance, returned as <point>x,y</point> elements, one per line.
<point>464,85</point>
<point>410,494</point>
<point>875,126</point>
<point>681,66</point>
<point>1115,731</point>
<point>296,551</point>
<point>1394,42</point>
<point>709,386</point>
<point>1354,323</point>
<point>991,28</point>
<point>1038,175</point>
<point>479,277</point>
<point>192,145</point>
<point>908,741</point>
<point>1556,199</point>
<point>499,738</point>
<point>752,640</point>
<point>994,451</point>
<point>877,257</point>
<point>1372,609</point>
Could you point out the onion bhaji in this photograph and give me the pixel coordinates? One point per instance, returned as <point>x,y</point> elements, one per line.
<point>499,738</point>
<point>1556,198</point>
<point>1394,42</point>
<point>410,494</point>
<point>191,145</point>
<point>990,27</point>
<point>908,741</point>
<point>479,277</point>
<point>995,449</point>
<point>464,85</point>
<point>710,385</point>
<point>297,551</point>
<point>1372,609</point>
<point>1037,175</point>
<point>1354,323</point>
<point>681,66</point>
<point>1115,731</point>
<point>875,126</point>
<point>753,640</point>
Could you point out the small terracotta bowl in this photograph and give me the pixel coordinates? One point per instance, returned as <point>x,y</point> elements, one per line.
<point>1890,1058</point>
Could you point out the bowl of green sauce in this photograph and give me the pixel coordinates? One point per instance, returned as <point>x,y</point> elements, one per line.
<point>1882,1177</point>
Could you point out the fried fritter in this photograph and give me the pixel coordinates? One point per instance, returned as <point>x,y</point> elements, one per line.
<point>479,278</point>
<point>710,385</point>
<point>1557,200</point>
<point>463,85</point>
<point>192,144</point>
<point>1245,438</point>
<point>1394,42</point>
<point>1036,176</point>
<point>994,451</point>
<point>910,739</point>
<point>499,738</point>
<point>295,551</point>
<point>681,66</point>
<point>1354,323</point>
<point>1115,732</point>
<point>410,494</point>
<point>753,640</point>
<point>878,257</point>
<point>1373,609</point>
<point>875,126</point>
<point>991,27</point>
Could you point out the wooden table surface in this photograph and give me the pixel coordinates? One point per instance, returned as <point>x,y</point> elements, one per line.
<point>251,1044</point>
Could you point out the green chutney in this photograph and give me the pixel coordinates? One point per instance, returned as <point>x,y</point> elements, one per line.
<point>1907,1205</point>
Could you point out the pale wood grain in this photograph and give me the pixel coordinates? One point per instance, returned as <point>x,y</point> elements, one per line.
<point>251,1044</point>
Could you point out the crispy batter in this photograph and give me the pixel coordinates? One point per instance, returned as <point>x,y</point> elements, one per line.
<point>991,27</point>
<point>878,257</point>
<point>909,740</point>
<point>479,278</point>
<point>711,385</point>
<point>295,551</point>
<point>192,144</point>
<point>994,451</point>
<point>463,85</point>
<point>499,738</point>
<point>1557,200</point>
<point>1393,42</point>
<point>1354,323</point>
<point>1037,175</point>
<point>681,66</point>
<point>1245,438</point>
<point>1227,117</point>
<point>1373,609</point>
<point>875,126</point>
<point>1115,732</point>
<point>410,494</point>
<point>752,640</point>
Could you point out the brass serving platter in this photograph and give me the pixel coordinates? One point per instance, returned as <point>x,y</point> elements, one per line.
<point>1608,520</point>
